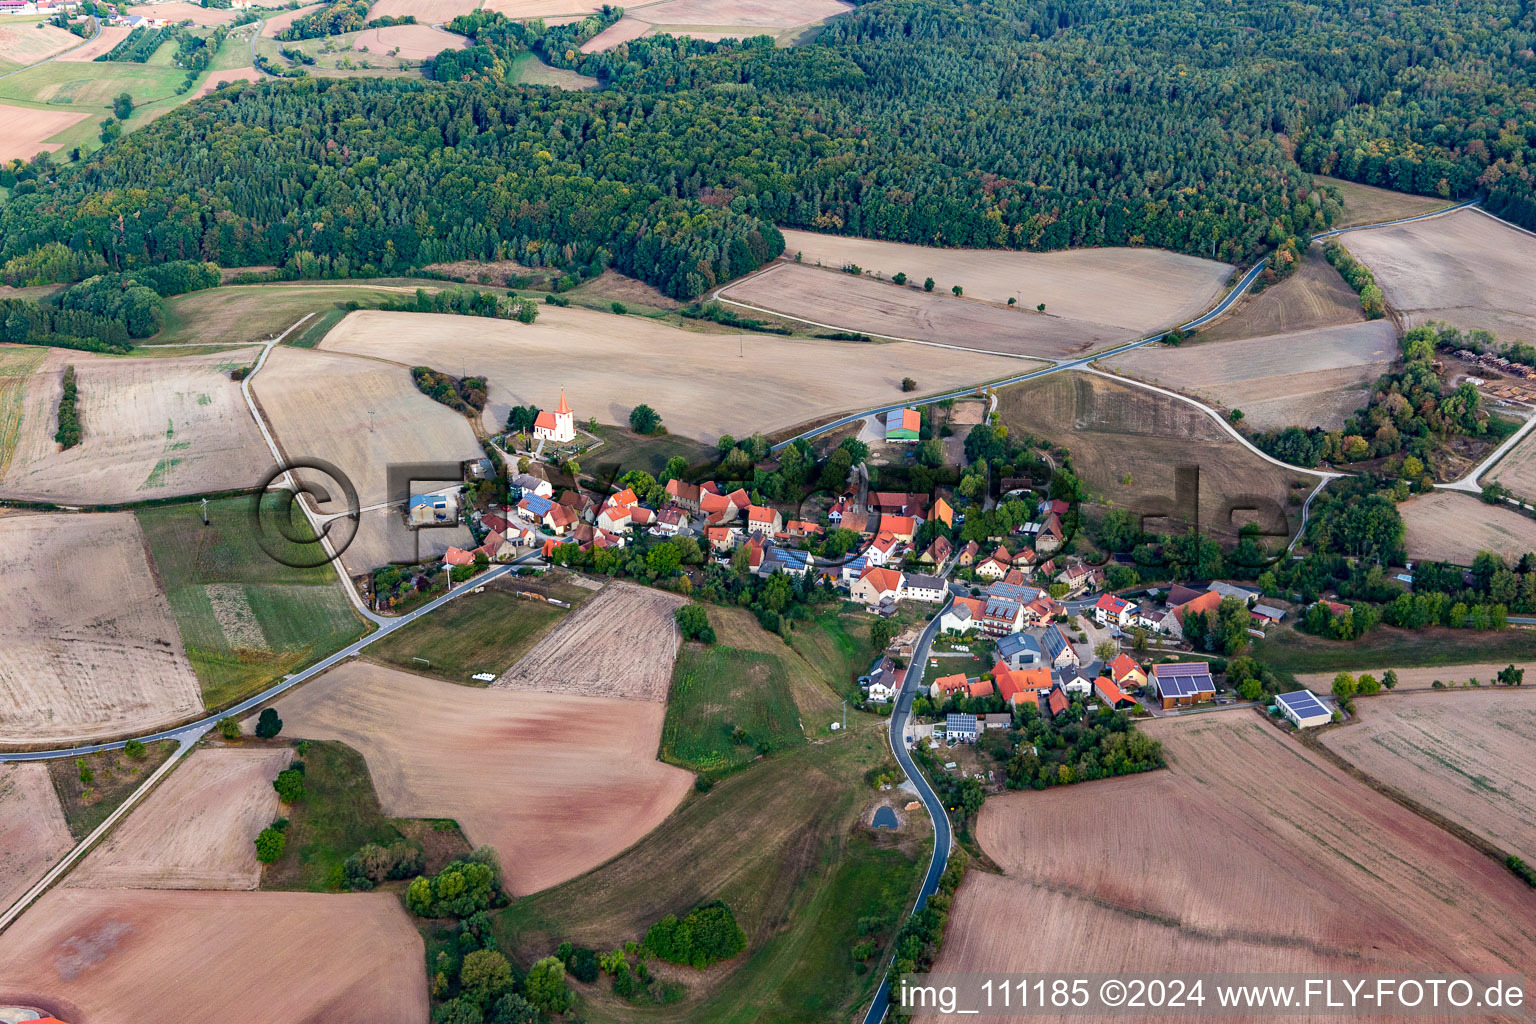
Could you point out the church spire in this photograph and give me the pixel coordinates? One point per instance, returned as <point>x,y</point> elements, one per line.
<point>564,409</point>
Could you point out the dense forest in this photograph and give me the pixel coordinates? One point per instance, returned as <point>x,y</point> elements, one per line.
<point>1041,124</point>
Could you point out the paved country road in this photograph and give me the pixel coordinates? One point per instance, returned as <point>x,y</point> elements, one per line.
<point>943,840</point>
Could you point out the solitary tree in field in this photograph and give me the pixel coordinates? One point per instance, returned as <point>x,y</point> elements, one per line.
<point>959,291</point>
<point>643,419</point>
<point>928,285</point>
<point>122,106</point>
<point>268,724</point>
<point>1041,307</point>
<point>900,278</point>
<point>270,844</point>
<point>908,384</point>
<point>1012,300</point>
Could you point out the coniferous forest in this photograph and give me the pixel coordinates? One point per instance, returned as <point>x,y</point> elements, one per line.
<point>1038,124</point>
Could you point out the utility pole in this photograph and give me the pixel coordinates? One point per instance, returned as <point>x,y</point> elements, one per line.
<point>845,715</point>
<point>205,511</point>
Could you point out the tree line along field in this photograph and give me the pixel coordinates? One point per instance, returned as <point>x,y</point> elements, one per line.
<point>151,428</point>
<point>701,388</point>
<point>1466,268</point>
<point>88,646</point>
<point>1248,849</point>
<point>138,954</point>
<point>1460,754</point>
<point>245,618</point>
<point>1314,378</point>
<point>1448,526</point>
<point>1127,444</point>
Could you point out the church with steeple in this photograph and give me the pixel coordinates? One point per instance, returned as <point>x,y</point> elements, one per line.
<point>558,426</point>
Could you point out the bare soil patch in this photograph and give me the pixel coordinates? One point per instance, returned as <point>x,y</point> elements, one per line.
<point>557,784</point>
<point>364,415</point>
<point>1311,378</point>
<point>153,428</point>
<point>120,955</point>
<point>699,385</point>
<point>1128,443</point>
<point>197,830</point>
<point>408,42</point>
<point>1448,526</point>
<point>88,647</point>
<point>1461,754</point>
<point>1313,296</point>
<point>24,131</point>
<point>621,643</point>
<point>1334,876</point>
<point>106,39</point>
<point>33,833</point>
<point>1517,469</point>
<point>1367,204</point>
<point>1465,268</point>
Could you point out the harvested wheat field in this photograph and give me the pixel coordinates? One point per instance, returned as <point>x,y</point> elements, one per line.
<point>33,833</point>
<point>696,381</point>
<point>621,31</point>
<point>1248,850</point>
<point>1516,470</point>
<point>88,647</point>
<point>1313,296</point>
<point>1448,526</point>
<point>276,23</point>
<point>197,830</point>
<point>426,12</point>
<point>408,42</point>
<point>621,643</point>
<point>180,10</point>
<point>106,39</point>
<point>227,76</point>
<point>24,131</point>
<point>553,11</point>
<point>364,415</point>
<point>29,42</point>
<point>1312,378</point>
<point>152,428</point>
<point>557,783</point>
<point>1464,755</point>
<point>1420,678</point>
<point>1466,268</point>
<point>1129,443</point>
<point>141,955</point>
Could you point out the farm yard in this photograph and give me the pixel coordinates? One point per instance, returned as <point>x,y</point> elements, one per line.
<point>1466,269</point>
<point>33,833</point>
<point>88,647</point>
<point>197,830</point>
<point>607,365</point>
<point>1127,442</point>
<point>134,954</point>
<point>1447,526</point>
<point>620,643</point>
<point>1315,378</point>
<point>1516,470</point>
<point>245,618</point>
<point>1462,755</point>
<point>1336,877</point>
<point>24,132</point>
<point>531,774</point>
<point>1313,296</point>
<point>152,428</point>
<point>364,416</point>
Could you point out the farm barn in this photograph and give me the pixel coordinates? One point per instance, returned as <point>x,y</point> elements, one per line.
<point>1304,709</point>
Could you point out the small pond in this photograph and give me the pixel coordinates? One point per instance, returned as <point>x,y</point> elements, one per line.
<point>885,817</point>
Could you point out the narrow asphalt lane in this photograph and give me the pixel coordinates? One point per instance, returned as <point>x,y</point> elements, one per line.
<point>389,626</point>
<point>943,839</point>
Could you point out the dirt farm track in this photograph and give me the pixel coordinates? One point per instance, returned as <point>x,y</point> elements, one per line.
<point>145,955</point>
<point>1334,877</point>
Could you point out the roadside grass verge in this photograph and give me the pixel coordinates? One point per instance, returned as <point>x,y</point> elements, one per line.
<point>245,619</point>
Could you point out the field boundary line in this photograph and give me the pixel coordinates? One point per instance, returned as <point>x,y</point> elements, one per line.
<point>186,742</point>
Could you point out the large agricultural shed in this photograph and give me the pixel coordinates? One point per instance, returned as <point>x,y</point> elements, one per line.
<point>1304,709</point>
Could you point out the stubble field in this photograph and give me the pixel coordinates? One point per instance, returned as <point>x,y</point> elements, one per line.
<point>33,833</point>
<point>88,647</point>
<point>1465,268</point>
<point>1127,444</point>
<point>181,10</point>
<point>1463,755</point>
<point>717,19</point>
<point>1313,296</point>
<point>106,39</point>
<point>1517,469</point>
<point>24,131</point>
<point>363,416</point>
<point>1247,850</point>
<point>1312,378</point>
<point>197,830</point>
<point>274,24</point>
<point>427,12</point>
<point>703,385</point>
<point>620,643</point>
<point>151,428</point>
<point>408,42</point>
<point>135,955</point>
<point>27,42</point>
<point>1448,526</point>
<point>556,783</point>
<point>1367,204</point>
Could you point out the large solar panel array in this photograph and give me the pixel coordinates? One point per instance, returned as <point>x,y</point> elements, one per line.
<point>1303,704</point>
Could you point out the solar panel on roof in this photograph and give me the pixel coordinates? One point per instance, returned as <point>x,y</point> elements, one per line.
<point>1303,703</point>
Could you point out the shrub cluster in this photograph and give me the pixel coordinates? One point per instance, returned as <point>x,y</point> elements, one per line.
<point>460,889</point>
<point>708,934</point>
